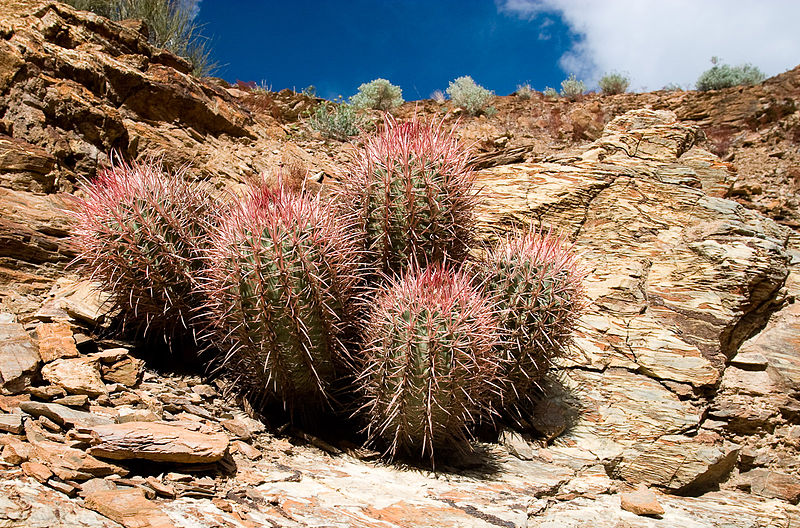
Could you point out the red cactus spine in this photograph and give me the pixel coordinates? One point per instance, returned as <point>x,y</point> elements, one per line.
<point>429,362</point>
<point>280,280</point>
<point>410,189</point>
<point>140,232</point>
<point>538,286</point>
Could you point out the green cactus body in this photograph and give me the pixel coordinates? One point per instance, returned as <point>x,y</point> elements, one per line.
<point>429,363</point>
<point>280,282</point>
<point>141,233</point>
<point>537,285</point>
<point>410,193</point>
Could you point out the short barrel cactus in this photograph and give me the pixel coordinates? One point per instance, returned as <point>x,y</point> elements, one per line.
<point>140,233</point>
<point>429,362</point>
<point>280,279</point>
<point>537,284</point>
<point>410,192</point>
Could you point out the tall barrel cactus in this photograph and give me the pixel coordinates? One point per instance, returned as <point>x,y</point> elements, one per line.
<point>280,280</point>
<point>538,286</point>
<point>140,234</point>
<point>410,191</point>
<point>429,365</point>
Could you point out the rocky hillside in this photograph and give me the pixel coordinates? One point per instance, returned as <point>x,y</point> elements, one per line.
<point>679,406</point>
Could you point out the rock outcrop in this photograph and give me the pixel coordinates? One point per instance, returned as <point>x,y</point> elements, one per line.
<point>680,400</point>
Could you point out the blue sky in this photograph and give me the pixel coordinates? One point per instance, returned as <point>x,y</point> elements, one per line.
<point>422,45</point>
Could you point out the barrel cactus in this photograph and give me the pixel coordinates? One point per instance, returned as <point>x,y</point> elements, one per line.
<point>280,279</point>
<point>410,192</point>
<point>429,362</point>
<point>140,233</point>
<point>537,284</point>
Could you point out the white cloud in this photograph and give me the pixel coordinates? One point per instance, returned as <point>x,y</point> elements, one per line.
<point>658,42</point>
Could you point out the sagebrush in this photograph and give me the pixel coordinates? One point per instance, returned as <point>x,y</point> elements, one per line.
<point>467,94</point>
<point>379,94</point>
<point>724,76</point>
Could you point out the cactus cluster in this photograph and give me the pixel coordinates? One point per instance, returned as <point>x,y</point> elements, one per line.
<point>373,292</point>
<point>280,281</point>
<point>140,234</point>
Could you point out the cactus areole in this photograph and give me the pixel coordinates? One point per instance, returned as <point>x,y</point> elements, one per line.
<point>281,275</point>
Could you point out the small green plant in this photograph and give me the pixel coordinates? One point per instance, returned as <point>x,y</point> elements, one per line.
<point>524,91</point>
<point>429,366</point>
<point>614,83</point>
<point>724,76</point>
<point>409,190</point>
<point>141,233</point>
<point>572,88</point>
<point>379,94</point>
<point>170,24</point>
<point>337,120</point>
<point>310,91</point>
<point>466,94</point>
<point>280,280</point>
<point>550,92</point>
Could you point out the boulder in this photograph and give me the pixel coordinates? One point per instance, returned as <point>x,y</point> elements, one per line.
<point>157,442</point>
<point>19,359</point>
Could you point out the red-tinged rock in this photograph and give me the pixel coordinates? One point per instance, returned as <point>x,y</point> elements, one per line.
<point>19,359</point>
<point>55,341</point>
<point>11,423</point>
<point>157,442</point>
<point>129,507</point>
<point>72,464</point>
<point>38,471</point>
<point>765,483</point>
<point>65,416</point>
<point>642,501</point>
<point>14,450</point>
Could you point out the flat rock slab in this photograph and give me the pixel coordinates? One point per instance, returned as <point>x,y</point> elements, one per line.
<point>72,464</point>
<point>642,501</point>
<point>129,507</point>
<point>19,358</point>
<point>63,415</point>
<point>157,442</point>
<point>77,376</point>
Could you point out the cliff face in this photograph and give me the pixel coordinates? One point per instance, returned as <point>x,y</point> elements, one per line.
<point>685,378</point>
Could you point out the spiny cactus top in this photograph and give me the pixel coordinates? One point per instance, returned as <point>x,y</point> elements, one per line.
<point>280,281</point>
<point>538,285</point>
<point>410,191</point>
<point>429,362</point>
<point>139,232</point>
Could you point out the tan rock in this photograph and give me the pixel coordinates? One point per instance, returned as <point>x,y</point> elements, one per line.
<point>129,507</point>
<point>55,341</point>
<point>11,423</point>
<point>157,442</point>
<point>128,372</point>
<point>765,483</point>
<point>19,358</point>
<point>77,376</point>
<point>14,451</point>
<point>642,501</point>
<point>36,470</point>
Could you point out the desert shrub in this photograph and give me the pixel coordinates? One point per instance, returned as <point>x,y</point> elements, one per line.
<point>572,88</point>
<point>550,92</point>
<point>524,91</point>
<point>170,25</point>
<point>724,76</point>
<point>466,94</point>
<point>339,121</point>
<point>614,83</point>
<point>379,94</point>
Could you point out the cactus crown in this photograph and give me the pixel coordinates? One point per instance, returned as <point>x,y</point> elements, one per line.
<point>538,285</point>
<point>139,232</point>
<point>281,277</point>
<point>429,365</point>
<point>410,191</point>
